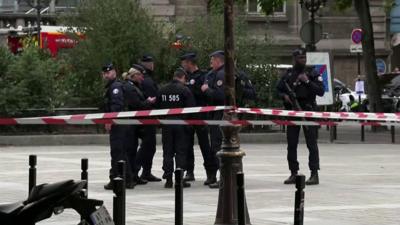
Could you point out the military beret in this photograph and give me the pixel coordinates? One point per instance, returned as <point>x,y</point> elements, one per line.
<point>147,58</point>
<point>299,51</point>
<point>107,67</point>
<point>219,53</point>
<point>189,56</point>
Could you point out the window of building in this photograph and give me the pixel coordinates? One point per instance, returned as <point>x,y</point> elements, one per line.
<point>254,8</point>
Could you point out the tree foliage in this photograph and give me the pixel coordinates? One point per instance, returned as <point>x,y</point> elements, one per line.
<point>29,82</point>
<point>118,31</point>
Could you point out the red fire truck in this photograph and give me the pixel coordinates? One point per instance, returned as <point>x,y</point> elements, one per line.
<point>53,38</point>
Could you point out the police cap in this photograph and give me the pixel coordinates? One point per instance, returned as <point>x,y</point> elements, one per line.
<point>218,53</point>
<point>107,67</point>
<point>147,58</point>
<point>140,68</point>
<point>299,51</point>
<point>189,56</point>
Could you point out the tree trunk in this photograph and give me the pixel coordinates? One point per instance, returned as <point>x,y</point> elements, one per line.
<point>374,90</point>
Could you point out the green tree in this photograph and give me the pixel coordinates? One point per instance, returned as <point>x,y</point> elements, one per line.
<point>29,82</point>
<point>119,31</point>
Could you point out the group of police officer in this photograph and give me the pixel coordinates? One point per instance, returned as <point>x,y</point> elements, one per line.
<point>191,86</point>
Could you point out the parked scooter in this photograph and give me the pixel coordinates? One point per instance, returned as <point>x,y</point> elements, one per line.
<point>46,199</point>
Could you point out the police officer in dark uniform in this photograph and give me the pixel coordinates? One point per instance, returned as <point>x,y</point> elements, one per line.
<point>195,80</point>
<point>213,88</point>
<point>175,137</point>
<point>245,91</point>
<point>134,101</point>
<point>303,84</point>
<point>145,155</point>
<point>114,102</point>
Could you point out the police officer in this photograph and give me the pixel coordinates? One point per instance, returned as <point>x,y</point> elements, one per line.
<point>195,80</point>
<point>114,102</point>
<point>174,137</point>
<point>147,148</point>
<point>245,91</point>
<point>299,87</point>
<point>213,88</point>
<point>135,100</point>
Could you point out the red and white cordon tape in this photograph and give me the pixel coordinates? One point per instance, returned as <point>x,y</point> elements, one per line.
<point>394,117</point>
<point>92,118</point>
<point>53,121</point>
<point>367,119</point>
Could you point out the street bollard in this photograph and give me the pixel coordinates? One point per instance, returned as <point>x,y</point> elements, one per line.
<point>32,172</point>
<point>362,133</point>
<point>122,169</point>
<point>240,198</point>
<point>119,201</point>
<point>393,133</point>
<point>299,200</point>
<point>85,177</point>
<point>334,132</point>
<point>178,197</point>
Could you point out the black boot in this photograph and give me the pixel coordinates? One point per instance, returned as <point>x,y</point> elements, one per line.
<point>168,183</point>
<point>291,179</point>
<point>189,176</point>
<point>149,177</point>
<point>313,180</point>
<point>186,184</point>
<point>109,185</point>
<point>211,177</point>
<point>130,184</point>
<point>214,185</point>
<point>139,180</point>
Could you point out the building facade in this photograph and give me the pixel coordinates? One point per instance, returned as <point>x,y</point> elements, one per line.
<point>284,26</point>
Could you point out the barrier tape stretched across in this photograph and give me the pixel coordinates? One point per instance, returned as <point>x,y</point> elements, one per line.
<point>126,114</point>
<point>53,121</point>
<point>371,119</point>
<point>323,115</point>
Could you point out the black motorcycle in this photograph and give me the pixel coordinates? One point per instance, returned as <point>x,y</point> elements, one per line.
<point>46,199</point>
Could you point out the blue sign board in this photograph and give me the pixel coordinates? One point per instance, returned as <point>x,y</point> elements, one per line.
<point>380,66</point>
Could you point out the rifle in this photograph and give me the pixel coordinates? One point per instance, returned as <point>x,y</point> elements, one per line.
<point>293,98</point>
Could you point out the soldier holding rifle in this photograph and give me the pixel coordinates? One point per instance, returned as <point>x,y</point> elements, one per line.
<point>298,88</point>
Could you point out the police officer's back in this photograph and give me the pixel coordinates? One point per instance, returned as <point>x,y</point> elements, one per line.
<point>174,137</point>
<point>299,87</point>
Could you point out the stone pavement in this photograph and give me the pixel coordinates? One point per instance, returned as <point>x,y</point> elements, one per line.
<point>360,185</point>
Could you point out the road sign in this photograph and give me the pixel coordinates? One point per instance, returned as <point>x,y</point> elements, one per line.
<point>356,48</point>
<point>357,36</point>
<point>380,66</point>
<point>305,32</point>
